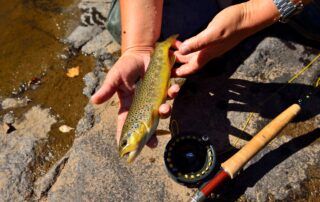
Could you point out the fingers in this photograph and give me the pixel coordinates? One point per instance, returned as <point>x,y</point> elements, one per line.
<point>108,88</point>
<point>185,70</point>
<point>173,91</point>
<point>195,43</point>
<point>176,44</point>
<point>164,111</point>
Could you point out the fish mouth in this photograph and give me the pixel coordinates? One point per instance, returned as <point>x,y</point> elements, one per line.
<point>131,156</point>
<point>129,151</point>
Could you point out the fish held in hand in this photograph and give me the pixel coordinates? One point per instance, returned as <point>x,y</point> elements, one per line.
<point>151,92</point>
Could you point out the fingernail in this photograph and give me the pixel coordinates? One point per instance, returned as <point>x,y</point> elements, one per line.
<point>178,71</point>
<point>176,88</point>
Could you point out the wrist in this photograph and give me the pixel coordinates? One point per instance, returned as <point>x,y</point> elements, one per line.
<point>140,53</point>
<point>138,49</point>
<point>140,23</point>
<point>261,13</point>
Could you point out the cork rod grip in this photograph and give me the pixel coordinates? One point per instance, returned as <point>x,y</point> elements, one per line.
<point>260,140</point>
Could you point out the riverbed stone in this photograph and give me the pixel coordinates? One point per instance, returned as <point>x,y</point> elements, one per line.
<point>93,22</point>
<point>9,118</point>
<point>9,103</point>
<point>91,82</point>
<point>98,45</point>
<point>17,154</point>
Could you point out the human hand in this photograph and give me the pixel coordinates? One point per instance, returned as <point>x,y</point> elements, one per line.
<point>226,30</point>
<point>122,78</point>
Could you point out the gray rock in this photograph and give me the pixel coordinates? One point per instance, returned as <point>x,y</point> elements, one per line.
<point>8,118</point>
<point>113,48</point>
<point>91,82</point>
<point>82,34</point>
<point>218,104</point>
<point>43,184</point>
<point>87,121</point>
<point>10,103</point>
<point>94,171</point>
<point>108,64</point>
<point>98,45</point>
<point>93,21</point>
<point>286,176</point>
<point>17,154</point>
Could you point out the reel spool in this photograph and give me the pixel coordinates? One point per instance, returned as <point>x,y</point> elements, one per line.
<point>189,159</point>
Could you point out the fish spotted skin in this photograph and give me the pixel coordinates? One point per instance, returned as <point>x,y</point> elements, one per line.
<point>143,116</point>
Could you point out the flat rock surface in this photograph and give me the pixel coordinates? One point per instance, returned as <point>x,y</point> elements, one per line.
<point>17,154</point>
<point>215,102</point>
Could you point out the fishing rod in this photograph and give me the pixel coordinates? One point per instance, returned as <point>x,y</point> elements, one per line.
<point>235,163</point>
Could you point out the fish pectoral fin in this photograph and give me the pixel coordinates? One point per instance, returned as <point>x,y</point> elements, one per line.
<point>146,128</point>
<point>128,148</point>
<point>172,59</point>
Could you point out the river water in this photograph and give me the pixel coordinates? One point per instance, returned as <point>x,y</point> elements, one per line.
<point>31,50</point>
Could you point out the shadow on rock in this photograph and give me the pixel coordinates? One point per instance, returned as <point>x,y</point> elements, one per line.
<point>206,99</point>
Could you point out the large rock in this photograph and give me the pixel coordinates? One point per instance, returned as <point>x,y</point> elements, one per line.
<point>94,171</point>
<point>253,78</point>
<point>93,21</point>
<point>17,154</point>
<point>215,102</point>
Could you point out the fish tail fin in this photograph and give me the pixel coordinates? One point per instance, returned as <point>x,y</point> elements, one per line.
<point>166,44</point>
<point>172,38</point>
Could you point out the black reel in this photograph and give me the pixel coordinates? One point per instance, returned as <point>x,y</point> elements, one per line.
<point>189,159</point>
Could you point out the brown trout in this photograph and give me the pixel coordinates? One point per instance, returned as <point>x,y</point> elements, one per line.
<point>143,116</point>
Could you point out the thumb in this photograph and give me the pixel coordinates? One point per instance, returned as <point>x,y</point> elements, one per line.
<point>195,43</point>
<point>108,88</point>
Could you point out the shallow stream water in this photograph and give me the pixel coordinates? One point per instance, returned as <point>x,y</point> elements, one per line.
<point>31,49</point>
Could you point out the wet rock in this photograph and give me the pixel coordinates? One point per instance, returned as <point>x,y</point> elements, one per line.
<point>81,35</point>
<point>17,154</point>
<point>8,118</point>
<point>95,12</point>
<point>43,184</point>
<point>108,63</point>
<point>87,121</point>
<point>10,103</point>
<point>93,20</point>
<point>98,45</point>
<point>113,48</point>
<point>91,83</point>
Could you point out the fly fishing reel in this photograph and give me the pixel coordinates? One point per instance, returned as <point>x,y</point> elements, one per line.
<point>189,159</point>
